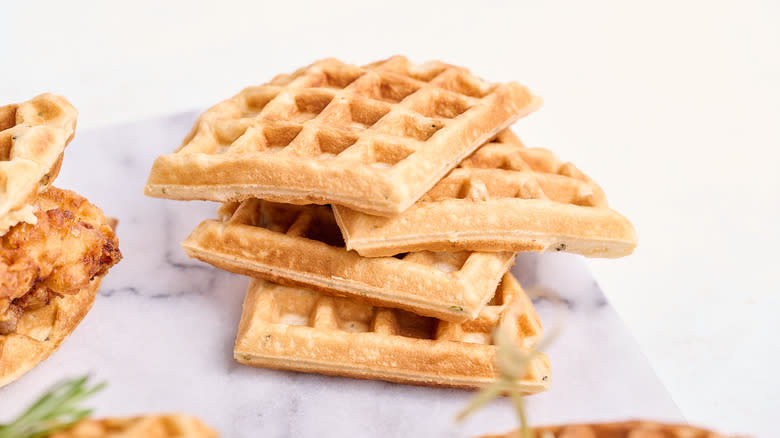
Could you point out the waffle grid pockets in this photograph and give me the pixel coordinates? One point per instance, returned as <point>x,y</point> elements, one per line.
<point>504,197</point>
<point>297,329</point>
<point>302,246</point>
<point>374,138</point>
<point>33,136</point>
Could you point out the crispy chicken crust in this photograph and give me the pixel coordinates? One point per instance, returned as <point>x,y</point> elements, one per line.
<point>71,243</point>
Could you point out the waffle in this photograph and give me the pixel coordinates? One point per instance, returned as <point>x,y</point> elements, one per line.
<point>297,329</point>
<point>302,246</point>
<point>505,197</point>
<point>627,429</point>
<point>33,136</point>
<point>152,426</point>
<point>374,138</point>
<point>41,331</point>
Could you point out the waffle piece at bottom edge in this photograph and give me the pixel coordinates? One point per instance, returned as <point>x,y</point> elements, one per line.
<point>625,429</point>
<point>149,426</point>
<point>300,330</point>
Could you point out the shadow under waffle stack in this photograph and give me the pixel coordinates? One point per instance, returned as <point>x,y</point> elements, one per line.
<point>297,329</point>
<point>374,138</point>
<point>505,197</point>
<point>302,246</point>
<point>627,429</point>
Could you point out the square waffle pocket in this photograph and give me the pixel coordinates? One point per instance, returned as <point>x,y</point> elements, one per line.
<point>374,138</point>
<point>505,197</point>
<point>302,246</point>
<point>300,330</point>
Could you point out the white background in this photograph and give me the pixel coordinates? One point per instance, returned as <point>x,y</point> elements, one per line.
<point>672,106</point>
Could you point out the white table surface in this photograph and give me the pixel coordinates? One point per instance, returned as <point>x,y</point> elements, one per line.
<point>671,106</point>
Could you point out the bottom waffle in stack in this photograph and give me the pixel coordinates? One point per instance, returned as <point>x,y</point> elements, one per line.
<point>313,306</point>
<point>298,329</point>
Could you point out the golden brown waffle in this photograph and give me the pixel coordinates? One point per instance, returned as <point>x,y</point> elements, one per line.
<point>297,329</point>
<point>41,331</point>
<point>302,246</point>
<point>33,136</point>
<point>151,426</point>
<point>505,197</point>
<point>627,429</point>
<point>374,138</point>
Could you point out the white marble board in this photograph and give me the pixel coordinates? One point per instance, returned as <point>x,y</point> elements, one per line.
<point>162,329</point>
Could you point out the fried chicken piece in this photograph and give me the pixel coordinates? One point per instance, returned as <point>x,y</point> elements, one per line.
<point>71,244</point>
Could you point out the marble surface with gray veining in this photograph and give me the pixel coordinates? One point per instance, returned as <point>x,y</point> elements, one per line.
<point>161,331</point>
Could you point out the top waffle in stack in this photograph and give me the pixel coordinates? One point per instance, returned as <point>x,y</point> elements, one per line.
<point>373,138</point>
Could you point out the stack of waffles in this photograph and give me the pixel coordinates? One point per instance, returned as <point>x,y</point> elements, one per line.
<point>378,210</point>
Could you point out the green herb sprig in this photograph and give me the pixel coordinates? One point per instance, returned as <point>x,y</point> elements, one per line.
<point>513,362</point>
<point>56,410</point>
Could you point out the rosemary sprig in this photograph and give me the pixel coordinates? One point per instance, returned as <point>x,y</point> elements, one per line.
<point>56,410</point>
<point>512,364</point>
